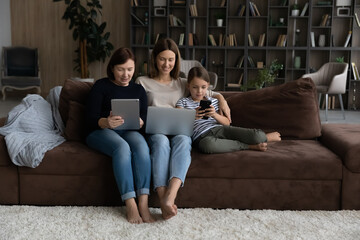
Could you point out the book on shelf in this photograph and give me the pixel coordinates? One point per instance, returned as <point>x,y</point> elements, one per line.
<point>312,36</point>
<point>180,23</point>
<point>261,40</point>
<point>281,41</point>
<point>137,19</point>
<point>239,61</point>
<point>172,20</point>
<point>134,3</point>
<point>195,39</point>
<point>159,36</point>
<point>223,3</point>
<point>347,41</point>
<point>251,41</point>
<point>303,11</point>
<point>238,84</point>
<point>179,2</point>
<point>251,62</point>
<point>355,71</point>
<point>212,40</point>
<point>240,11</point>
<point>357,19</point>
<point>193,10</point>
<point>191,39</point>
<point>232,38</point>
<point>256,10</point>
<point>331,103</point>
<point>221,39</point>
<point>252,10</point>
<point>143,38</point>
<point>324,19</point>
<point>181,39</point>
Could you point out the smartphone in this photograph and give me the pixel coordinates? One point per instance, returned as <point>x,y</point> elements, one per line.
<point>204,104</point>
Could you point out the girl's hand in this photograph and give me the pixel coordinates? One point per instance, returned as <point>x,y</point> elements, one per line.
<point>199,113</point>
<point>114,121</point>
<point>210,112</point>
<point>141,123</point>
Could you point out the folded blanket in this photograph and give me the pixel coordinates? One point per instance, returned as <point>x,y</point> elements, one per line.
<point>30,131</point>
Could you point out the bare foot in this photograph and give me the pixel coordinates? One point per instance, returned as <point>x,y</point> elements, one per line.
<point>146,215</point>
<point>168,208</point>
<point>259,147</point>
<point>273,137</point>
<point>132,213</point>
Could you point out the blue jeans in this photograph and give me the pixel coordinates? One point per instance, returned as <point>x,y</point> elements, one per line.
<point>170,157</point>
<point>130,159</point>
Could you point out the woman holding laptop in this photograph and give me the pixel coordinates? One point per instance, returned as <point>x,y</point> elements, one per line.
<point>170,155</point>
<point>127,148</point>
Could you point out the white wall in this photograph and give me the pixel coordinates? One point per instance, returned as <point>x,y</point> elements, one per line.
<point>5,28</point>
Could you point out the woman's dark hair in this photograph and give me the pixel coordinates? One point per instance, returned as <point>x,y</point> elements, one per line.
<point>120,56</point>
<point>198,72</point>
<point>161,45</point>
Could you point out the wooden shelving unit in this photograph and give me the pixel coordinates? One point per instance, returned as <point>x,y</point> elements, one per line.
<point>275,19</point>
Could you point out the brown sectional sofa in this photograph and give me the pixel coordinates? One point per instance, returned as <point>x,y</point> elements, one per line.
<point>314,167</point>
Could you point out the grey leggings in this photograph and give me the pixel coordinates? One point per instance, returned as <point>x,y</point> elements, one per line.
<point>228,139</point>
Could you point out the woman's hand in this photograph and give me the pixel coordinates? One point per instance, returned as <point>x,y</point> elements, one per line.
<point>141,123</point>
<point>224,108</point>
<point>111,121</point>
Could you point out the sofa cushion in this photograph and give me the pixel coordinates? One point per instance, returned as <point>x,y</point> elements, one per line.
<point>72,91</point>
<point>290,108</point>
<point>75,129</point>
<point>287,159</point>
<point>72,158</point>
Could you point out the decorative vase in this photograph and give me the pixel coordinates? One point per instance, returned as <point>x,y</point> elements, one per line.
<point>297,62</point>
<point>321,40</point>
<point>219,22</point>
<point>295,12</point>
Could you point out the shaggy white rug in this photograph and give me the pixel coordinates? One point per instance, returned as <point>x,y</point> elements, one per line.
<point>30,222</point>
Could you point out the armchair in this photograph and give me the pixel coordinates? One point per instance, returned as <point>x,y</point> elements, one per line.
<point>330,79</point>
<point>186,65</point>
<point>20,69</point>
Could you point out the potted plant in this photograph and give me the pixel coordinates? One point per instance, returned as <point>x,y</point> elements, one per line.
<point>265,75</point>
<point>219,19</point>
<point>295,10</point>
<point>93,41</point>
<point>340,59</point>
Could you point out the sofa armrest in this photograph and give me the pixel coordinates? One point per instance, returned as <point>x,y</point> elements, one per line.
<point>343,140</point>
<point>2,121</point>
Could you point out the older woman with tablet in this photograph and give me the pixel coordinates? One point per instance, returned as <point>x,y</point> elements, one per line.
<point>127,148</point>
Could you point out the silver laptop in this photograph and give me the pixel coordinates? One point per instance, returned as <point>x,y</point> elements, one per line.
<point>170,121</point>
<point>128,109</point>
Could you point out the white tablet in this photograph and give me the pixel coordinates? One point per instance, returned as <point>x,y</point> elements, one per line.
<point>128,109</point>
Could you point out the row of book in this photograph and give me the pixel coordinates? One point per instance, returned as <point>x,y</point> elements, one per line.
<point>240,62</point>
<point>281,41</point>
<point>175,21</point>
<point>193,10</point>
<point>331,103</point>
<point>325,20</point>
<point>254,11</point>
<point>224,40</point>
<point>261,41</point>
<point>355,71</point>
